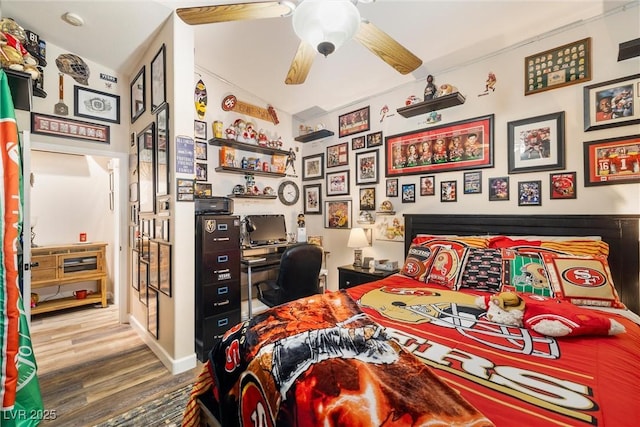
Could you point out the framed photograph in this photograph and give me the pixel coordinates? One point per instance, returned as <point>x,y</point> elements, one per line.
<point>138,98</point>
<point>337,214</point>
<point>158,79</point>
<point>200,129</point>
<point>428,185</point>
<point>143,270</point>
<point>162,150</point>
<point>201,150</point>
<point>164,268</point>
<point>392,187</point>
<point>562,185</point>
<point>529,193</point>
<point>44,124</point>
<point>367,167</point>
<point>146,169</point>
<point>358,143</point>
<point>565,65</point>
<point>612,103</point>
<point>312,199</point>
<point>154,248</point>
<point>408,193</point>
<point>390,227</point>
<point>135,275</point>
<point>499,188</point>
<point>97,105</point>
<point>201,189</point>
<point>314,240</point>
<point>374,139</point>
<point>338,183</point>
<point>473,182</point>
<point>467,144</point>
<point>368,199</point>
<point>152,312</point>
<point>612,161</point>
<point>201,172</point>
<point>536,144</point>
<point>449,191</point>
<point>354,122</point>
<point>337,155</point>
<point>313,167</point>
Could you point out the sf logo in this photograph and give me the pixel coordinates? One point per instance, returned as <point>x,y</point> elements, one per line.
<point>228,103</point>
<point>232,356</point>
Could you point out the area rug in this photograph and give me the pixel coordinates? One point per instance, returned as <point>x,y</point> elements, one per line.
<point>165,410</point>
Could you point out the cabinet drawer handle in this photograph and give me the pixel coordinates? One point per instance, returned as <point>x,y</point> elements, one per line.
<point>221,239</point>
<point>218,304</point>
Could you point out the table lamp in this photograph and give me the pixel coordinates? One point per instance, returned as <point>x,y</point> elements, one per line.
<point>357,240</point>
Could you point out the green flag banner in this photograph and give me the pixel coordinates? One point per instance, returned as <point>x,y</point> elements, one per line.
<point>19,388</point>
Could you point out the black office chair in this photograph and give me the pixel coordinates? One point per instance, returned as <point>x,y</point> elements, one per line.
<point>298,276</point>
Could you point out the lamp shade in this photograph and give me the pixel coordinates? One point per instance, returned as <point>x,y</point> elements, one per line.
<point>357,238</point>
<point>326,24</point>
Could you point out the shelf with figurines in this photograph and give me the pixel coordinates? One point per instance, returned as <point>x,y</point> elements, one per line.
<point>308,134</point>
<point>258,172</point>
<point>251,191</point>
<point>246,146</point>
<point>386,208</point>
<point>445,96</point>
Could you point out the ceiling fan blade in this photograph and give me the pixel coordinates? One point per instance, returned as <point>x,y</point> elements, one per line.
<point>232,12</point>
<point>389,50</point>
<point>301,64</point>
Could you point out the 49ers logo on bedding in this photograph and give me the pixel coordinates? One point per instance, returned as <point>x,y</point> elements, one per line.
<point>253,403</point>
<point>585,277</point>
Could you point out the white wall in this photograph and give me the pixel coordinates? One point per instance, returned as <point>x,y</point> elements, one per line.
<point>508,103</point>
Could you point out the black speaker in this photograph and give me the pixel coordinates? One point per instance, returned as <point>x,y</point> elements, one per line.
<point>629,49</point>
<point>20,86</point>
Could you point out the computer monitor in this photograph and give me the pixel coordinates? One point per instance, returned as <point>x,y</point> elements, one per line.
<point>266,229</point>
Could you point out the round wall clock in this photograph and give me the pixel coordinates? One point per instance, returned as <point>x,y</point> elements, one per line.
<point>288,193</point>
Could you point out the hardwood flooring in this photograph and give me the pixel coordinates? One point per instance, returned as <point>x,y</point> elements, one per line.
<point>91,367</point>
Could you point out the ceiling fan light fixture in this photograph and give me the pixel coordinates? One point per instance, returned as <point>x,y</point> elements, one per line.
<point>326,24</point>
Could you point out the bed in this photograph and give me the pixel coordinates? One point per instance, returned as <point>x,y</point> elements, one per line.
<point>416,348</point>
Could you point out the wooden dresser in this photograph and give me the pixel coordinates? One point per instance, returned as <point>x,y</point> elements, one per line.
<point>61,265</point>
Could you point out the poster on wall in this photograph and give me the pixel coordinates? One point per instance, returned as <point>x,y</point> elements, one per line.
<point>185,152</point>
<point>389,227</point>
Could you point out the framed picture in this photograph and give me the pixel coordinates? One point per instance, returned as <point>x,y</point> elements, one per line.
<point>154,248</point>
<point>354,122</point>
<point>200,129</point>
<point>337,155</point>
<point>135,275</point>
<point>473,182</point>
<point>164,268</point>
<point>449,191</point>
<point>529,193</point>
<point>201,189</point>
<point>357,143</point>
<point>374,139</point>
<point>467,144</point>
<point>428,185</point>
<point>368,199</point>
<point>201,150</point>
<point>367,167</point>
<point>612,161</point>
<point>337,214</point>
<point>201,172</point>
<point>158,83</point>
<point>408,193</point>
<point>562,66</point>
<point>152,312</point>
<point>138,98</point>
<point>392,187</point>
<point>312,199</point>
<point>562,185</point>
<point>314,240</point>
<point>499,188</point>
<point>143,270</point>
<point>313,167</point>
<point>162,150</point>
<point>612,103</point>
<point>97,105</point>
<point>390,227</point>
<point>536,144</point>
<point>146,169</point>
<point>44,124</point>
<point>338,183</point>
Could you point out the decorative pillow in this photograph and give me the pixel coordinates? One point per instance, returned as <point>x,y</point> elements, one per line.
<point>585,247</point>
<point>471,241</point>
<point>582,280</point>
<point>418,261</point>
<point>525,273</point>
<point>447,264</point>
<point>482,270</point>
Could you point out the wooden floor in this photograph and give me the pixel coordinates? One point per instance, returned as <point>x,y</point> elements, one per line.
<point>90,367</point>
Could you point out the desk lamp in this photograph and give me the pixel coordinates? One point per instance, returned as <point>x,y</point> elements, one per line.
<point>357,240</point>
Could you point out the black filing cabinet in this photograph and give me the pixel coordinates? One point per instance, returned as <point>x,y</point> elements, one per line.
<point>217,281</point>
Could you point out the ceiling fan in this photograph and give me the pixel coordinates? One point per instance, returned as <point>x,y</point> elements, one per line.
<point>322,26</point>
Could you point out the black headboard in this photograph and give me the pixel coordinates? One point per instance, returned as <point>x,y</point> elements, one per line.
<point>621,232</point>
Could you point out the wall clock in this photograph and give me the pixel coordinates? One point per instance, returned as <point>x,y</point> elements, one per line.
<point>288,193</point>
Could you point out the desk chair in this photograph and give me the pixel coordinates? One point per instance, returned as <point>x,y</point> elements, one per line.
<point>298,276</point>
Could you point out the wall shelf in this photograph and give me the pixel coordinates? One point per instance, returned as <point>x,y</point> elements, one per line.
<point>252,196</point>
<point>229,169</point>
<point>439,103</point>
<point>246,147</point>
<point>312,136</point>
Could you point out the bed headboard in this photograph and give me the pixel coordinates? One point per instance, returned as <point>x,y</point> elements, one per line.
<point>621,232</point>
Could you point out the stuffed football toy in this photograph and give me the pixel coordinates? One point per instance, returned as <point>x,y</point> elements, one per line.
<point>547,316</point>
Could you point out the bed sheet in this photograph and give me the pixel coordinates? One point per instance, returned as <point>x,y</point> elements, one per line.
<point>514,376</point>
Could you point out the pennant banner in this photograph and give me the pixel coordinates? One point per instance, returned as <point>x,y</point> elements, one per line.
<point>19,388</point>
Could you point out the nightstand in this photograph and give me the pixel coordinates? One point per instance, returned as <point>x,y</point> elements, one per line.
<point>351,276</point>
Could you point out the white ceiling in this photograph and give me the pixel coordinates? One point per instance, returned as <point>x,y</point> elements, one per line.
<point>255,55</point>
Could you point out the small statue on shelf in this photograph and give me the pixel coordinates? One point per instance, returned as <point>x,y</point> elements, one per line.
<point>430,89</point>
<point>291,159</point>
